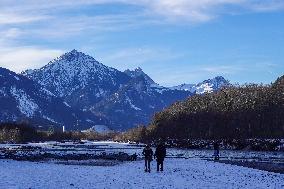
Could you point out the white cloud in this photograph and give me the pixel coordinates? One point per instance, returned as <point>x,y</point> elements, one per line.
<point>9,34</point>
<point>195,11</point>
<point>21,58</point>
<point>12,18</point>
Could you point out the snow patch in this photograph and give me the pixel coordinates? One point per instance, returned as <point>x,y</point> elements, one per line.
<point>49,119</point>
<point>131,104</point>
<point>204,88</point>
<point>2,92</point>
<point>17,78</point>
<point>100,93</point>
<point>25,103</point>
<point>44,90</point>
<point>90,121</point>
<point>67,104</point>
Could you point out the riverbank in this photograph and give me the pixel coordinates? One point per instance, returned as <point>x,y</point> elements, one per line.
<point>265,166</point>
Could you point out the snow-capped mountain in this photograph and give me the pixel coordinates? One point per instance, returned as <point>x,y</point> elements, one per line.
<point>124,98</point>
<point>79,79</point>
<point>22,99</point>
<point>207,86</point>
<point>77,91</point>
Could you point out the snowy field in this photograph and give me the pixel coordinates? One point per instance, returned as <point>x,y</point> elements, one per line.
<point>179,173</point>
<point>188,172</point>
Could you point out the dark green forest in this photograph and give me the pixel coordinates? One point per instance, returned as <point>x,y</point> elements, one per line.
<point>235,112</point>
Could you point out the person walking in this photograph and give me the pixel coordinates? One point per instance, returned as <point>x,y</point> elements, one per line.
<point>148,155</point>
<point>160,155</point>
<point>216,150</point>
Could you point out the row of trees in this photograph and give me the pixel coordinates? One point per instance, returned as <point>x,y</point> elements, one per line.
<point>248,111</point>
<point>18,133</point>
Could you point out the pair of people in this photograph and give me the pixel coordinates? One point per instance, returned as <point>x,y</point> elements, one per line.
<point>160,155</point>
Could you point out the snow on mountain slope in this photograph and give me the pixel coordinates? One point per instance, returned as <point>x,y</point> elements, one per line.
<point>60,72</point>
<point>22,99</point>
<point>78,78</point>
<point>25,103</point>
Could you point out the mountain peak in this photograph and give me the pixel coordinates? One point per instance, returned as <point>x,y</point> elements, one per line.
<point>134,73</point>
<point>74,51</point>
<point>138,72</point>
<point>75,71</point>
<point>74,55</point>
<point>219,77</point>
<point>216,79</point>
<point>138,69</point>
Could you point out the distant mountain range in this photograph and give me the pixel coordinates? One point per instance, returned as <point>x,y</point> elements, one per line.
<point>206,86</point>
<point>78,92</point>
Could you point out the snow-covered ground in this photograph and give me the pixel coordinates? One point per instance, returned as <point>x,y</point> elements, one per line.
<point>91,147</point>
<point>191,171</point>
<point>179,173</point>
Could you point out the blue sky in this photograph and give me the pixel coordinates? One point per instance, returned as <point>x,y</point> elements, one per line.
<point>181,41</point>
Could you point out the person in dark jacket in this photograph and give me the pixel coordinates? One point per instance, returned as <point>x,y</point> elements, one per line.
<point>148,155</point>
<point>160,155</point>
<point>216,150</point>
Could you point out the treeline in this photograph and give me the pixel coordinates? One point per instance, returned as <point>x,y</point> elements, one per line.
<point>21,133</point>
<point>239,112</point>
<point>16,133</point>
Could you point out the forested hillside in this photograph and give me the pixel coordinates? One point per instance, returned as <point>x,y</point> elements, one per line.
<point>248,111</point>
